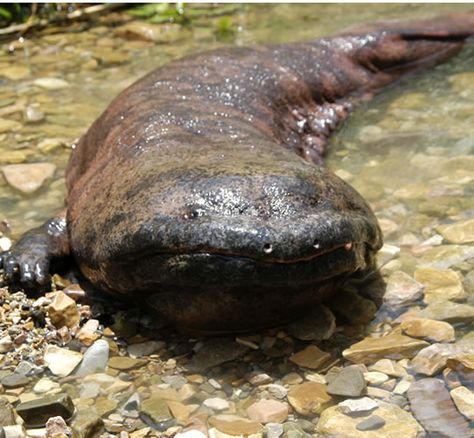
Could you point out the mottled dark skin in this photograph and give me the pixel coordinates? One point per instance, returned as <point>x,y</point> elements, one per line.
<point>196,192</point>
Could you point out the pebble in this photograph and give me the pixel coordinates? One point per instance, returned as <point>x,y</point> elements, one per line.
<point>447,311</point>
<point>311,357</point>
<point>431,360</point>
<point>125,363</point>
<point>349,382</point>
<point>33,114</point>
<point>215,352</point>
<point>439,416</point>
<point>277,391</point>
<point>464,400</point>
<point>273,430</point>
<point>441,284</point>
<point>156,410</point>
<point>16,431</point>
<point>216,404</point>
<point>358,405</point>
<point>63,311</point>
<point>402,290</point>
<point>375,377</point>
<point>56,427</point>
<point>388,367</point>
<point>392,346</point>
<point>309,398</point>
<point>6,344</point>
<point>372,423</point>
<point>36,413</point>
<point>51,83</point>
<point>319,325</point>
<point>88,332</point>
<point>7,416</point>
<point>95,359</point>
<point>232,425</point>
<point>7,125</point>
<point>61,361</point>
<point>145,348</point>
<point>398,423</point>
<point>14,381</point>
<point>459,232</point>
<point>430,329</point>
<point>28,177</point>
<point>45,385</point>
<point>268,411</point>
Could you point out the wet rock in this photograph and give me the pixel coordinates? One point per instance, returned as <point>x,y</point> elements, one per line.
<point>441,284</point>
<point>125,363</point>
<point>375,377</point>
<point>430,329</point>
<point>268,411</point>
<point>63,311</point>
<point>349,382</point>
<point>95,359</point>
<point>392,346</point>
<point>56,427</point>
<point>14,381</point>
<point>402,290</point>
<point>462,362</point>
<point>7,416</point>
<point>142,31</point>
<point>61,361</point>
<point>445,256</point>
<point>87,425</point>
<point>27,178</point>
<point>464,400</point>
<point>431,360</point>
<point>104,406</point>
<point>15,72</point>
<point>88,332</point>
<point>319,325</point>
<point>273,430</point>
<point>311,357</point>
<point>372,423</point>
<point>45,385</point>
<point>386,254</point>
<point>181,411</point>
<point>233,425</point>
<point>145,348</point>
<point>388,367</point>
<point>8,125</point>
<point>398,423</point>
<point>364,405</point>
<point>216,352</point>
<point>433,408</point>
<point>353,307</point>
<point>447,311</point>
<point>51,83</point>
<point>216,404</point>
<point>459,232</point>
<point>33,114</point>
<point>6,344</point>
<point>50,144</point>
<point>277,391</point>
<point>309,398</point>
<point>36,413</point>
<point>16,431</point>
<point>156,410</point>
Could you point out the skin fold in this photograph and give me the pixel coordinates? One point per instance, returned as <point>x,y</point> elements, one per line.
<point>200,192</point>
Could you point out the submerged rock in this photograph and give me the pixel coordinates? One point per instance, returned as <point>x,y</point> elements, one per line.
<point>349,382</point>
<point>309,398</point>
<point>398,423</point>
<point>430,329</point>
<point>36,413</point>
<point>95,359</point>
<point>464,401</point>
<point>441,284</point>
<point>311,357</point>
<point>27,178</point>
<point>433,408</point>
<point>459,232</point>
<point>392,346</point>
<point>61,361</point>
<point>402,290</point>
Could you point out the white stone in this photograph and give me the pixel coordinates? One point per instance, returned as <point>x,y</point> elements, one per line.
<point>193,433</point>
<point>95,359</point>
<point>216,404</point>
<point>16,431</point>
<point>51,83</point>
<point>375,377</point>
<point>363,404</point>
<point>402,386</point>
<point>61,361</point>
<point>45,385</point>
<point>5,243</point>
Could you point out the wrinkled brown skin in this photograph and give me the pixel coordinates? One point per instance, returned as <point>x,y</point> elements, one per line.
<point>196,192</point>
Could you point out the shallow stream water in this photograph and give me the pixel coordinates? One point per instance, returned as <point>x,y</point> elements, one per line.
<point>409,151</point>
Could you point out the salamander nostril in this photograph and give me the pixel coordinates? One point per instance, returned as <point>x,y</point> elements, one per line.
<point>267,248</point>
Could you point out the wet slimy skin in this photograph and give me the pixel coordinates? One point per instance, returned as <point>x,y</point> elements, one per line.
<point>199,192</point>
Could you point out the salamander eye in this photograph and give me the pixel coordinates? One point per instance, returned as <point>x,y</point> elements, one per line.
<point>316,244</point>
<point>267,248</point>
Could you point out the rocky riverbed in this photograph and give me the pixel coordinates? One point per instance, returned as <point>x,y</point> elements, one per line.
<point>389,356</point>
